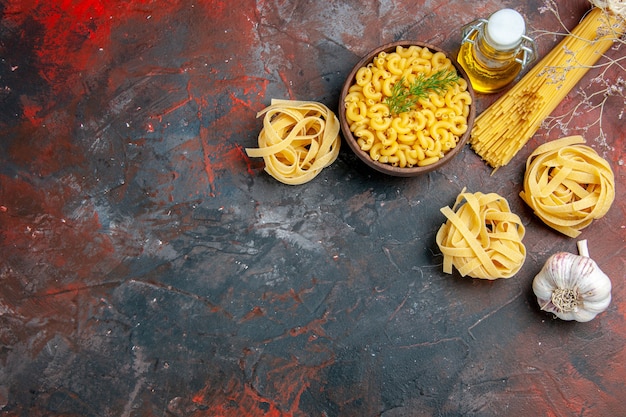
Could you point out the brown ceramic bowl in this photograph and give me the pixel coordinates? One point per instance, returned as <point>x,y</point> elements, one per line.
<point>388,168</point>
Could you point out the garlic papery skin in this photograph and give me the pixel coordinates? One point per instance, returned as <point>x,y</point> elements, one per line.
<point>572,287</point>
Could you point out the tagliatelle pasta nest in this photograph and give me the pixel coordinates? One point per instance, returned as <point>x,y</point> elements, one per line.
<point>298,140</point>
<point>568,185</point>
<point>482,237</point>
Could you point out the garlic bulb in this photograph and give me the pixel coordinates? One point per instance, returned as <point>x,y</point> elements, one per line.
<point>572,287</point>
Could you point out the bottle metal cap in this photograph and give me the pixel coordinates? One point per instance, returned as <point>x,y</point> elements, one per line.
<point>505,29</point>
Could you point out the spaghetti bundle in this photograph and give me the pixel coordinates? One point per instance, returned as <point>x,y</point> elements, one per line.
<point>505,127</point>
<point>482,238</point>
<point>568,185</point>
<point>298,140</point>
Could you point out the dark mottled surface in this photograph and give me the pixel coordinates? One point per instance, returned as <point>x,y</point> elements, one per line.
<point>148,267</point>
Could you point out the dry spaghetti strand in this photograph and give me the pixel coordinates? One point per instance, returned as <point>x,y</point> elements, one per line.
<point>505,127</point>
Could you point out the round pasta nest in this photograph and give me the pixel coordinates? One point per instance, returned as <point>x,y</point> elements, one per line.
<point>482,237</point>
<point>298,140</point>
<point>568,184</point>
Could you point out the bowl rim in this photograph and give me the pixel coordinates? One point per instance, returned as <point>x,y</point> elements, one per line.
<point>387,168</point>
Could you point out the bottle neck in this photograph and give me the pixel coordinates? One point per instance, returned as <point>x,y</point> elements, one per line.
<point>491,57</point>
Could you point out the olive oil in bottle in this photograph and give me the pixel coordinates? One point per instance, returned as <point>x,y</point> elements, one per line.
<point>494,51</point>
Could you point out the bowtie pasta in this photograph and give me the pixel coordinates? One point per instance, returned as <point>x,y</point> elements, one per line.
<point>419,136</point>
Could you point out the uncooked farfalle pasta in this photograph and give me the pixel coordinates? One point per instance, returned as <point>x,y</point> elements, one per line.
<point>416,135</point>
<point>568,185</point>
<point>482,238</point>
<point>298,140</point>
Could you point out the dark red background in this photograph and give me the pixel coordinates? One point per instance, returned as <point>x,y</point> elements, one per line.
<point>148,267</point>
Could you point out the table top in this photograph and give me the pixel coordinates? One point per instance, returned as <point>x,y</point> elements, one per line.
<point>149,267</point>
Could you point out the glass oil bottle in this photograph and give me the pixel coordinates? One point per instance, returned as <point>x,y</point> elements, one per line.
<point>495,50</point>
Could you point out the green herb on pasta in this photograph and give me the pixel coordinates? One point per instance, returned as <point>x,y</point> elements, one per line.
<point>404,97</point>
